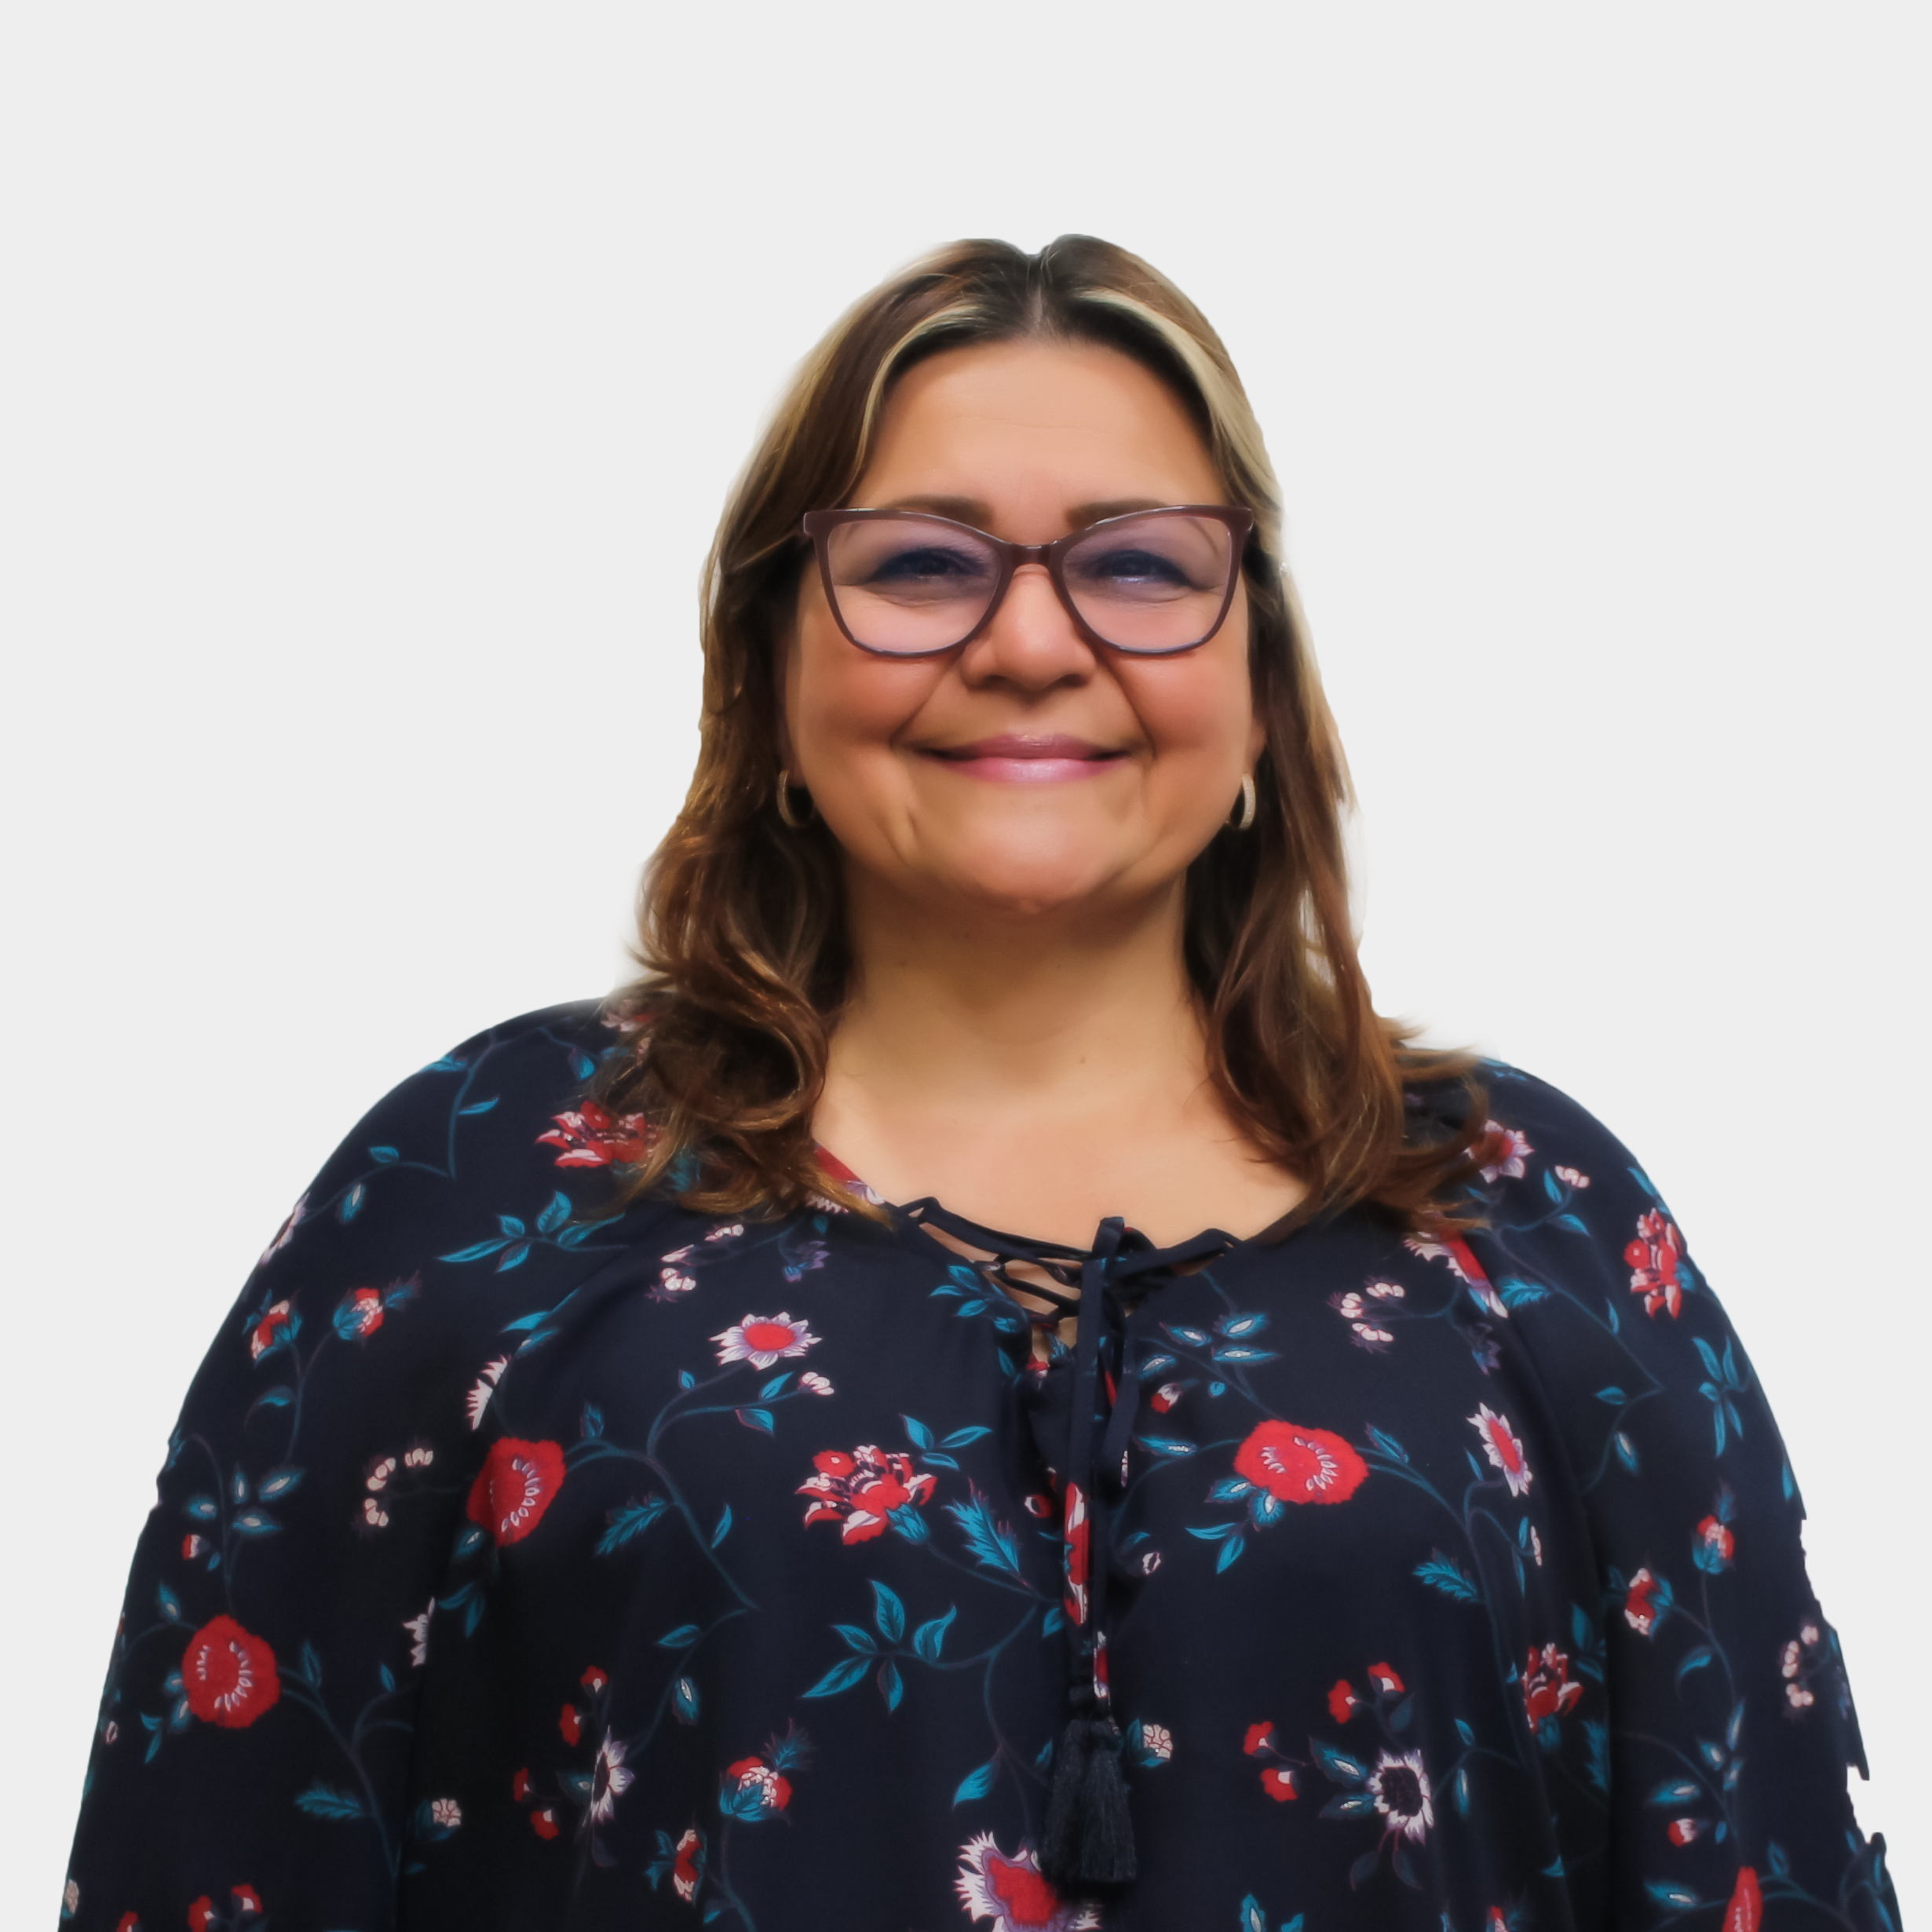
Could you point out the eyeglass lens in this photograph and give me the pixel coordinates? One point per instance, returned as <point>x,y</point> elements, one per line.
<point>906,586</point>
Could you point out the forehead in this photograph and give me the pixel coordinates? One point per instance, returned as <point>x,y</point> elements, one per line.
<point>1065,422</point>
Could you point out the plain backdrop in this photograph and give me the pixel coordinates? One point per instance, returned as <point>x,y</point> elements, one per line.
<point>371,379</point>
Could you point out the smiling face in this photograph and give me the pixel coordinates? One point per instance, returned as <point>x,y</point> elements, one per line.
<point>1030,772</point>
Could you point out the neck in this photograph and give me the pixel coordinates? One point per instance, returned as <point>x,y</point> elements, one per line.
<point>977,1010</point>
<point>1038,1073</point>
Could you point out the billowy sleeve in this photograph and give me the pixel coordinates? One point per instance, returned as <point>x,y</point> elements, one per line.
<point>325,1508</point>
<point>1722,1744</point>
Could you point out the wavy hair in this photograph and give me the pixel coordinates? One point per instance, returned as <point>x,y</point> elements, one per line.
<point>742,933</point>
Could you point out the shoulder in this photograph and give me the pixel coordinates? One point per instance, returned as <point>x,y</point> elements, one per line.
<point>1562,1198</point>
<point>533,1072</point>
<point>549,1054</point>
<point>1540,1127</point>
<point>490,1158</point>
<point>1589,1264</point>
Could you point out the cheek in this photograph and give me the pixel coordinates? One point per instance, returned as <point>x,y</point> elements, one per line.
<point>1196,714</point>
<point>841,704</point>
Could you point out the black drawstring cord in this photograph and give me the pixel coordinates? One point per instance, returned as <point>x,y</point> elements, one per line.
<point>1088,1836</point>
<point>1087,1842</point>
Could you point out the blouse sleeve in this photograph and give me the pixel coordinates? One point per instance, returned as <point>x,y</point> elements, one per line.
<point>1724,1739</point>
<point>253,1748</point>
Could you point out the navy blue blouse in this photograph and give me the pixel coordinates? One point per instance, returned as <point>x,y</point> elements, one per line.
<point>522,1562</point>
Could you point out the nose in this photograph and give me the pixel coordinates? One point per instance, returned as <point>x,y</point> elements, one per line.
<point>1031,641</point>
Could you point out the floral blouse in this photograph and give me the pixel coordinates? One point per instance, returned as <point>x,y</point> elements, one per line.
<point>521,1561</point>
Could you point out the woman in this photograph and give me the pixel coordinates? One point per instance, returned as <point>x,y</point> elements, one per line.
<point>1342,1501</point>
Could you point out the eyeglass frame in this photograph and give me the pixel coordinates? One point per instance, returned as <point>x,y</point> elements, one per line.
<point>819,525</point>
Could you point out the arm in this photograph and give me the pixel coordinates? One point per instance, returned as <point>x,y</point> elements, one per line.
<point>253,1747</point>
<point>1727,1728</point>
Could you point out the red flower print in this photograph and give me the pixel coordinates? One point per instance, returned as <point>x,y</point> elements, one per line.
<point>520,1786</point>
<point>1547,1691</point>
<point>1012,1893</point>
<point>762,1339</point>
<point>1259,1736</point>
<point>1343,1701</point>
<point>1653,1259</point>
<point>201,1914</point>
<point>753,1774</point>
<point>1166,1396</point>
<point>1745,1912</point>
<point>359,1313</point>
<point>1446,1244</point>
<point>267,1332</point>
<point>590,1137</point>
<point>570,1724</point>
<point>1300,1465</point>
<point>1715,1545</point>
<point>1385,1680</point>
<point>244,1898</point>
<point>1501,1152</point>
<point>1642,1611</point>
<point>1278,1781</point>
<point>543,1821</point>
<point>228,1675</point>
<point>1685,1831</point>
<point>594,1680</point>
<point>689,1866</point>
<point>1501,1445</point>
<point>514,1487</point>
<point>128,1922</point>
<point>192,1545</point>
<point>860,1491</point>
<point>1078,1533</point>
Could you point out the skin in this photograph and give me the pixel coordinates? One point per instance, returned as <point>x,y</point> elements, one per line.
<point>1023,1042</point>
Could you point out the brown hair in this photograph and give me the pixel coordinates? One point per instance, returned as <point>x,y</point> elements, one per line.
<point>741,918</point>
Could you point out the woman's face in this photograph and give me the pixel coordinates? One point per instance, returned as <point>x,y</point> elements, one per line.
<point>929,772</point>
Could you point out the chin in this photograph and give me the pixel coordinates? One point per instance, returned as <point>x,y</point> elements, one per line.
<point>1032,883</point>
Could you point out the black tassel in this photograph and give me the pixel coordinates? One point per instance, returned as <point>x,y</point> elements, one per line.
<point>1089,1838</point>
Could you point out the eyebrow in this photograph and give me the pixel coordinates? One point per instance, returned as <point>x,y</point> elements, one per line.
<point>967,510</point>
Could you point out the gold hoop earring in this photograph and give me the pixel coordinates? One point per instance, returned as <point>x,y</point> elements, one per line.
<point>787,810</point>
<point>1247,818</point>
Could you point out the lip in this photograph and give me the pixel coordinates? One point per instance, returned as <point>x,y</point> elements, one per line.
<point>1014,758</point>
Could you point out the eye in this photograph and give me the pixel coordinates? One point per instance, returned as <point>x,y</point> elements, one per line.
<point>934,564</point>
<point>1131,564</point>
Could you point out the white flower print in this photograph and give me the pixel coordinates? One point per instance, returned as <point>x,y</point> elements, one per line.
<point>762,1339</point>
<point>1501,1446</point>
<point>285,1233</point>
<point>1012,1893</point>
<point>418,1629</point>
<point>1505,1149</point>
<point>609,1780</point>
<point>478,1400</point>
<point>1399,1786</point>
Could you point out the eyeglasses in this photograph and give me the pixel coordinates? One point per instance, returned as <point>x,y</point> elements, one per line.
<point>902,583</point>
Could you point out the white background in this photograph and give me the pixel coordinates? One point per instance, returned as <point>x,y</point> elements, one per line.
<point>370,379</point>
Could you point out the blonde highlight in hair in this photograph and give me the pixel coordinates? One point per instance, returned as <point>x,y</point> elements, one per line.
<point>741,934</point>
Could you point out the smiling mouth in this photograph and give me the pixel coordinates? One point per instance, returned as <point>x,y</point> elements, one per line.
<point>1011,759</point>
